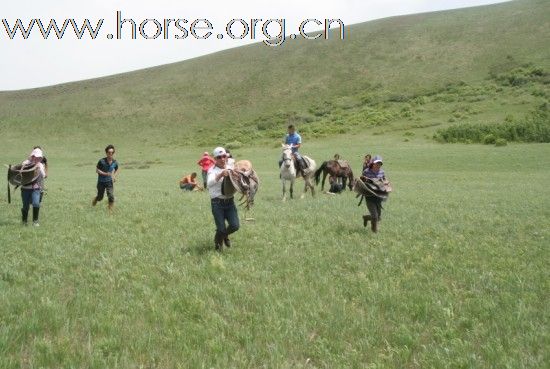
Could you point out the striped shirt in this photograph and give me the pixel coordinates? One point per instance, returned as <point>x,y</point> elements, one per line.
<point>369,173</point>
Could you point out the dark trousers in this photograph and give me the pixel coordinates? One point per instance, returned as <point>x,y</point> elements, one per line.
<point>225,210</point>
<point>374,204</point>
<point>105,186</point>
<point>204,177</point>
<point>30,196</point>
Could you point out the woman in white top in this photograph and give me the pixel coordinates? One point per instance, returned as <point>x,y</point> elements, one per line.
<point>30,192</point>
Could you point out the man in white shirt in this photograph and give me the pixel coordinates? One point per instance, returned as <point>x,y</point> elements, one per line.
<point>223,207</point>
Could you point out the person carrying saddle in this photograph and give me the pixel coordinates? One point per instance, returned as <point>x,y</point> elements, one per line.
<point>223,206</point>
<point>295,141</point>
<point>374,203</point>
<point>30,192</point>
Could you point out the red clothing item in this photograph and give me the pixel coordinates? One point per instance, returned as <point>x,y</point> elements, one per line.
<point>206,163</point>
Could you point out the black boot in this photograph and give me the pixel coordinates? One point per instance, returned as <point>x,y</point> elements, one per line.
<point>218,240</point>
<point>303,164</point>
<point>366,219</point>
<point>374,225</point>
<point>24,216</point>
<point>35,212</point>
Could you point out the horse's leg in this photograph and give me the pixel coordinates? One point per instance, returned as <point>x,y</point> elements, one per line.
<point>323,182</point>
<point>344,180</point>
<point>306,185</point>
<point>291,188</point>
<point>284,188</point>
<point>310,184</point>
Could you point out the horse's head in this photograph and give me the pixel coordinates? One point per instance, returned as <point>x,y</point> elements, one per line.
<point>287,156</point>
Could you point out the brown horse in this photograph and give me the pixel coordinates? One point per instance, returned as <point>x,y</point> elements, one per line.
<point>336,168</point>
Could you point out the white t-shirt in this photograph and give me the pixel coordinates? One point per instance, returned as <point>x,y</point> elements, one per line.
<point>215,187</point>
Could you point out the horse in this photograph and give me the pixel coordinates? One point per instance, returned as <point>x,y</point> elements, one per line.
<point>335,168</point>
<point>288,172</point>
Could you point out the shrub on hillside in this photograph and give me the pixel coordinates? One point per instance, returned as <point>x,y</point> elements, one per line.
<point>521,75</point>
<point>534,128</point>
<point>501,142</point>
<point>321,110</point>
<point>233,145</point>
<point>489,139</point>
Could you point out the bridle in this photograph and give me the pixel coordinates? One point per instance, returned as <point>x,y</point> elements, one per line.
<point>287,156</point>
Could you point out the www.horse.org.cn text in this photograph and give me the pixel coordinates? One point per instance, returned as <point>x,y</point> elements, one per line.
<point>271,31</point>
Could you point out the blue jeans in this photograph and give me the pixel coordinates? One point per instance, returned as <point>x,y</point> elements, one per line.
<point>222,210</point>
<point>30,196</point>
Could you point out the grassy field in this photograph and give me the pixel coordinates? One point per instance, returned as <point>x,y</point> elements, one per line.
<point>456,278</point>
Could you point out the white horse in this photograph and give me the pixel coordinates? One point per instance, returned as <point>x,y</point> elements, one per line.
<point>288,172</point>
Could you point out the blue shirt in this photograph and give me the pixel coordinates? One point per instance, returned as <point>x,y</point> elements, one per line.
<point>370,174</point>
<point>104,166</point>
<point>293,139</point>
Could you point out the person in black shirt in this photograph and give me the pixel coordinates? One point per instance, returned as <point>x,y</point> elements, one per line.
<point>107,170</point>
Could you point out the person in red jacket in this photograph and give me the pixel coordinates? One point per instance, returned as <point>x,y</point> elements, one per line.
<point>205,163</point>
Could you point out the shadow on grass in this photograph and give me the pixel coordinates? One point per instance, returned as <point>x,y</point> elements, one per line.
<point>199,249</point>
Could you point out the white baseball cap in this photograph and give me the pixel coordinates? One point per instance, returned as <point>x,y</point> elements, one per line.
<point>37,153</point>
<point>219,151</point>
<point>377,159</point>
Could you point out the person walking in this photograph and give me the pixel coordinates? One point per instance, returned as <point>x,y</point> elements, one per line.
<point>374,203</point>
<point>107,170</point>
<point>223,207</point>
<point>206,162</point>
<point>30,192</point>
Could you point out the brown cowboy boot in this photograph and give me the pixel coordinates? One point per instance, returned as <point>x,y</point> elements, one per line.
<point>366,219</point>
<point>374,225</point>
<point>218,241</point>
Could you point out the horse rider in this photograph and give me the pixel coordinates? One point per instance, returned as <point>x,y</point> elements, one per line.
<point>294,140</point>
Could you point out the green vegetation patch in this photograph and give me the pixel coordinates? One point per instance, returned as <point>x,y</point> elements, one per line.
<point>533,128</point>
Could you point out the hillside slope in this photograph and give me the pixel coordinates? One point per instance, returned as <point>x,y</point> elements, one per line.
<point>407,55</point>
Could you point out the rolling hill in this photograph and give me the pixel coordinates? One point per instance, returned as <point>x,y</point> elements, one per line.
<point>254,91</point>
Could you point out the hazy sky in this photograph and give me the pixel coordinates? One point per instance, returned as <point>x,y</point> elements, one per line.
<point>35,61</point>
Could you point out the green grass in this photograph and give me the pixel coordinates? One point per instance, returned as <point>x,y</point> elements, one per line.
<point>457,276</point>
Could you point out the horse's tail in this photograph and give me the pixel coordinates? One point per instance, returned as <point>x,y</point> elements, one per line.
<point>319,171</point>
